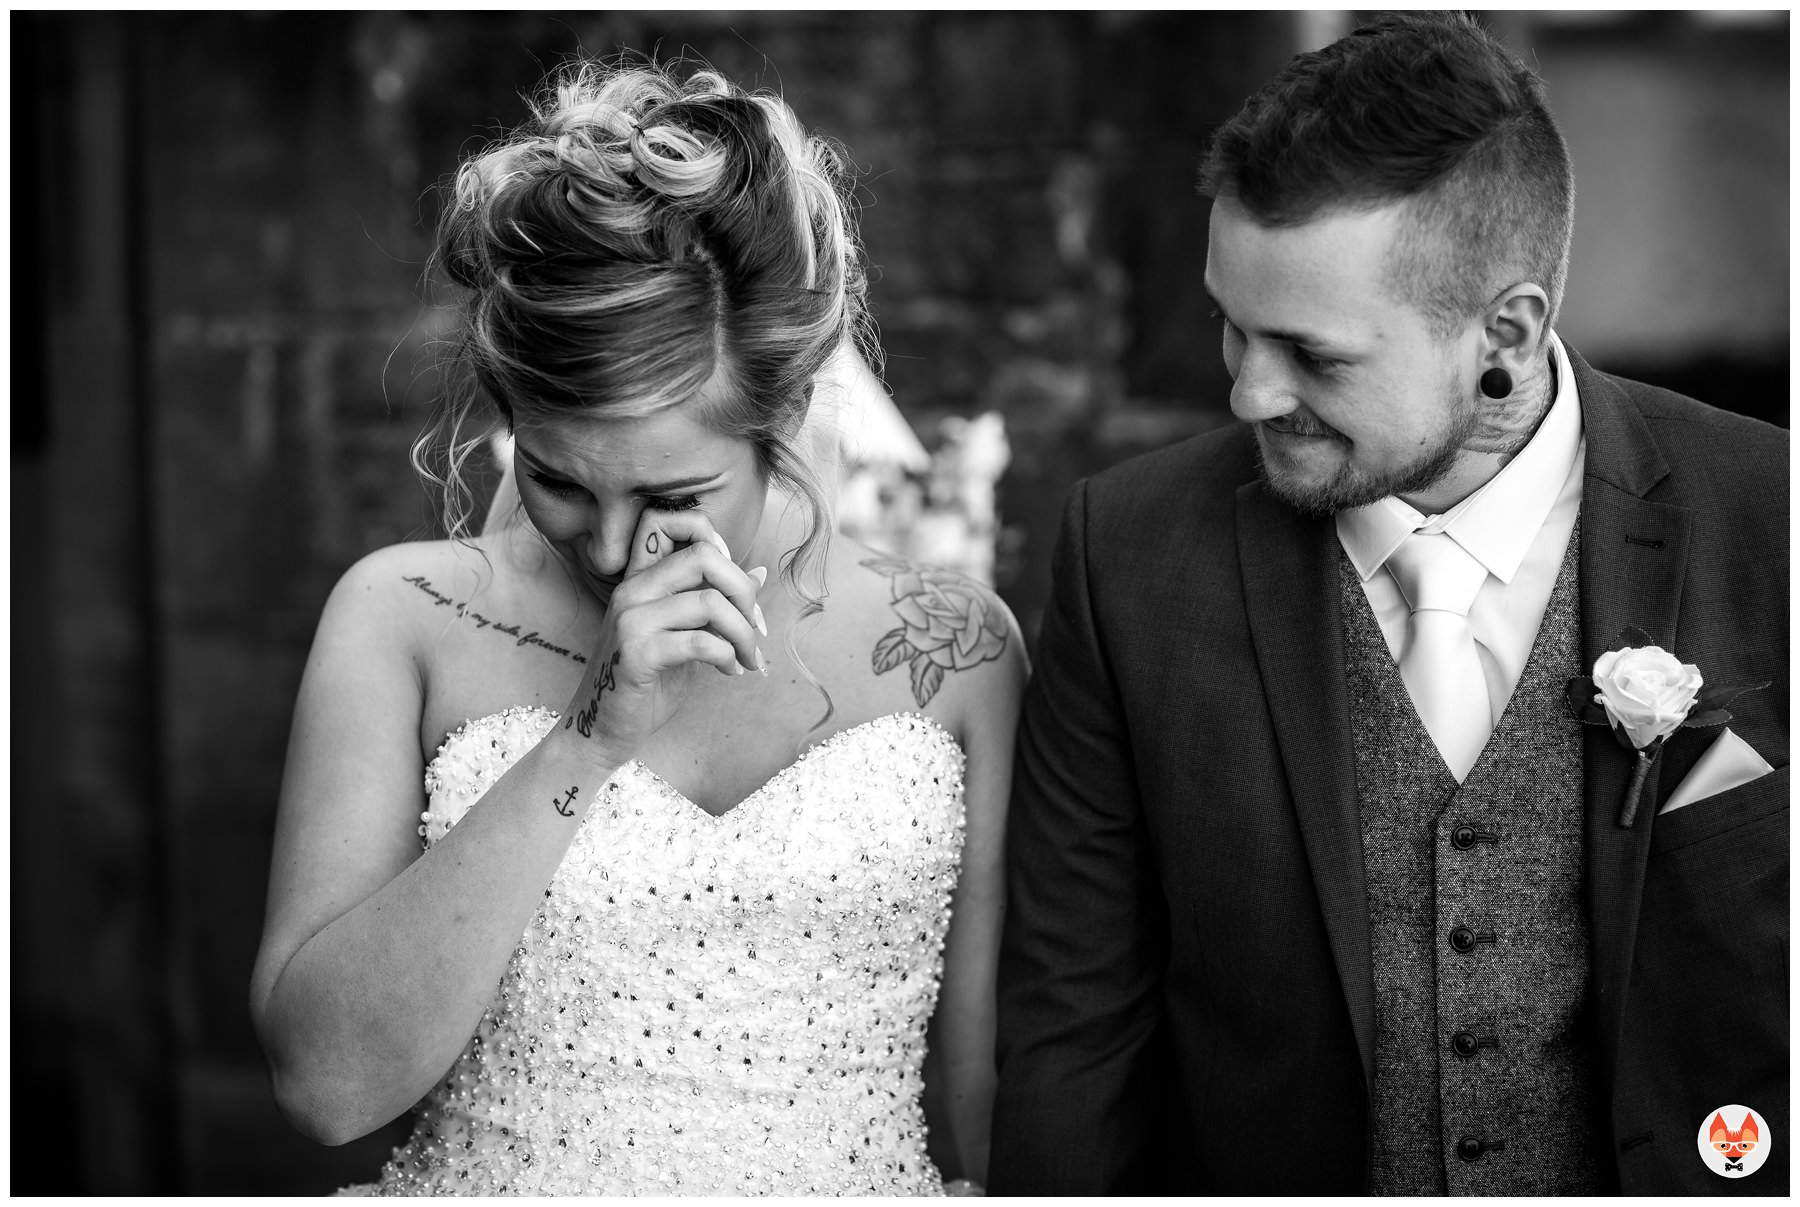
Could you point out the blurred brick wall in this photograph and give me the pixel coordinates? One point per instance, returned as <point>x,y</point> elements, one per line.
<point>228,220</point>
<point>1678,123</point>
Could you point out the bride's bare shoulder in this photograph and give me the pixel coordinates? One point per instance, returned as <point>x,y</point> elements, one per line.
<point>401,588</point>
<point>945,643</point>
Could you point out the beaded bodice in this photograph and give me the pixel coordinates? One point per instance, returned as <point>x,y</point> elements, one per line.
<point>732,1004</point>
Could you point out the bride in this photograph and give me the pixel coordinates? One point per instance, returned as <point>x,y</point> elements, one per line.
<point>711,806</point>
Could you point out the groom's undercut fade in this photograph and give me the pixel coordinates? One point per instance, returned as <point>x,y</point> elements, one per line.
<point>1429,109</point>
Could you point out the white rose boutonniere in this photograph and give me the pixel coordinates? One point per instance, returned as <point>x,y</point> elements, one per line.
<point>1644,693</point>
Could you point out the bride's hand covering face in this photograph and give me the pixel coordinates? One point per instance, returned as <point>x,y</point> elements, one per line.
<point>643,513</point>
<point>587,484</point>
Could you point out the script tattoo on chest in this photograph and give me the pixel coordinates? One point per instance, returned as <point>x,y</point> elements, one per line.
<point>583,721</point>
<point>948,622</point>
<point>531,638</point>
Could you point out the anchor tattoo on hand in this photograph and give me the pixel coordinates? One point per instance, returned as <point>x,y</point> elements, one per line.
<point>563,806</point>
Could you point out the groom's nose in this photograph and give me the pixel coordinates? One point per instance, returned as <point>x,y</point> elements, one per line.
<point>1260,391</point>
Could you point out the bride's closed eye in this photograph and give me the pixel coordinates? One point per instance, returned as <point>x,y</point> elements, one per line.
<point>555,486</point>
<point>565,490</point>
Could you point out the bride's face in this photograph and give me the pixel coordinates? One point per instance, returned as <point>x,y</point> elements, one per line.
<point>587,484</point>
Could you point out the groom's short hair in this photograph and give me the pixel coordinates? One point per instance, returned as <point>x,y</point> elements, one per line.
<point>1427,109</point>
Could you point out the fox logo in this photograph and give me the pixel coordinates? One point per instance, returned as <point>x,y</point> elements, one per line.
<point>1734,1152</point>
<point>1733,1144</point>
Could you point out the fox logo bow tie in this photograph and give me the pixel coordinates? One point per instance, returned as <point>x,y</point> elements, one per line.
<point>1739,1165</point>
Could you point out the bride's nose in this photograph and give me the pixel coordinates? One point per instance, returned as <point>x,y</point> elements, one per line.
<point>609,540</point>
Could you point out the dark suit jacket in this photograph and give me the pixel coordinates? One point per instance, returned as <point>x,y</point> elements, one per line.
<point>1186,1000</point>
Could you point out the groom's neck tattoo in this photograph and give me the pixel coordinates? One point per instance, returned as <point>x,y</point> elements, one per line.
<point>529,638</point>
<point>948,622</point>
<point>1507,425</point>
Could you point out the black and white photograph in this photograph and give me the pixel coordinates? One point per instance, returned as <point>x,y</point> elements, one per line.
<point>809,602</point>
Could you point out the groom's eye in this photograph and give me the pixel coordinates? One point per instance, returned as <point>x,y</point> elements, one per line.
<point>1227,328</point>
<point>1314,364</point>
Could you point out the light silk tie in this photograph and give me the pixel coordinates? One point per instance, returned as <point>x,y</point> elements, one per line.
<point>1439,663</point>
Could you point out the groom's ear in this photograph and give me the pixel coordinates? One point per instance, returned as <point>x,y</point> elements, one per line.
<point>1515,325</point>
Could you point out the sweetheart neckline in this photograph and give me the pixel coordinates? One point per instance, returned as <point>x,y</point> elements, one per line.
<point>760,790</point>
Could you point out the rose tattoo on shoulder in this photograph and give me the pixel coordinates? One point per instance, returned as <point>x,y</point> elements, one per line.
<point>949,622</point>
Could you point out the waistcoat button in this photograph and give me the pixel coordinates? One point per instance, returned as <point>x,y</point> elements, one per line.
<point>1464,1044</point>
<point>1469,1148</point>
<point>1462,938</point>
<point>1463,837</point>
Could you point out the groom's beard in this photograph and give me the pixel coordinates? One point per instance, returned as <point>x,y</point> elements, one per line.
<point>1350,485</point>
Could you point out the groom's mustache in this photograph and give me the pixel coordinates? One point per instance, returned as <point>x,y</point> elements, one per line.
<point>1300,425</point>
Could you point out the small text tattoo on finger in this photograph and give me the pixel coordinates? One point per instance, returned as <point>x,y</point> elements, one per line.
<point>652,543</point>
<point>604,682</point>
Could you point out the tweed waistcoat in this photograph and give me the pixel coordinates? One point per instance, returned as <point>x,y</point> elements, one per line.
<point>1484,1070</point>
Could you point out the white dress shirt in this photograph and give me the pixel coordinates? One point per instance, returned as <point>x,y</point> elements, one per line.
<point>1517,525</point>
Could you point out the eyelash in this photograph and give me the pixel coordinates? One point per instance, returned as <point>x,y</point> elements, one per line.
<point>1307,361</point>
<point>564,490</point>
<point>1313,364</point>
<point>555,486</point>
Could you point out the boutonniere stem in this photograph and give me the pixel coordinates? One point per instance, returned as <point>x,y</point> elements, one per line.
<point>1640,771</point>
<point>1643,694</point>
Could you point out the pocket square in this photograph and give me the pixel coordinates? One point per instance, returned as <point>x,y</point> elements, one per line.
<point>1728,762</point>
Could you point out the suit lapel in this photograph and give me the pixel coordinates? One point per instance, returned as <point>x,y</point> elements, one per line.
<point>1290,580</point>
<point>1633,561</point>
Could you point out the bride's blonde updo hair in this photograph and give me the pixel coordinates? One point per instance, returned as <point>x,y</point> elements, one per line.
<point>640,236</point>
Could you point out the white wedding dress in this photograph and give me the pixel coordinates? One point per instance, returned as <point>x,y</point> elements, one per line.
<point>731,1005</point>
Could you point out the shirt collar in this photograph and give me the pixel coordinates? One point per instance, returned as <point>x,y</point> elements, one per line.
<point>1498,522</point>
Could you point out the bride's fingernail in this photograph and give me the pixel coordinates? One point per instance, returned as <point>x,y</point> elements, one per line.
<point>756,615</point>
<point>720,542</point>
<point>761,575</point>
<point>762,663</point>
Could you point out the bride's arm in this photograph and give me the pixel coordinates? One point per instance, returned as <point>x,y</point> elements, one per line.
<point>376,961</point>
<point>962,1055</point>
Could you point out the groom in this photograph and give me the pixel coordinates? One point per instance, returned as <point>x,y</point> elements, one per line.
<point>1318,885</point>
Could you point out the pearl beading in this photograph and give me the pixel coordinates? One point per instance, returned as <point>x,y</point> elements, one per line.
<point>732,1004</point>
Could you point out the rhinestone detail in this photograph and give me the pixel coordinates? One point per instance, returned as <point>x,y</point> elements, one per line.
<point>731,1005</point>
